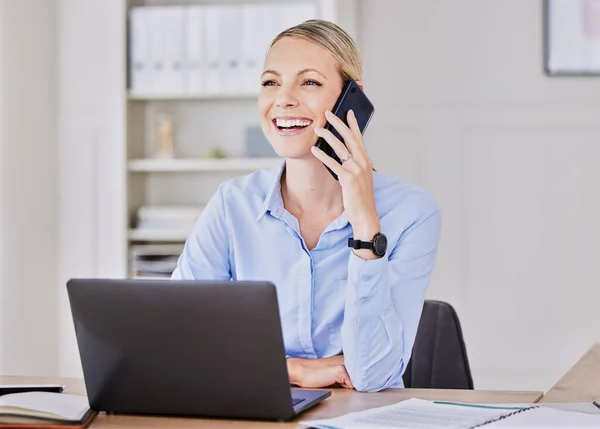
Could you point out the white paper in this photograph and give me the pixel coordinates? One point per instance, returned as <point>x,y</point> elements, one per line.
<point>545,417</point>
<point>421,414</point>
<point>417,414</point>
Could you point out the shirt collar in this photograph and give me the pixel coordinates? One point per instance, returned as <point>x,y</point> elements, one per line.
<point>274,201</point>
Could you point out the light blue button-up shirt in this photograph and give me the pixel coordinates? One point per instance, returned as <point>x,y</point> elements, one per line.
<point>330,300</point>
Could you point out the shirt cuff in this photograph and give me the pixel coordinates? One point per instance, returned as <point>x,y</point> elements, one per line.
<point>369,280</point>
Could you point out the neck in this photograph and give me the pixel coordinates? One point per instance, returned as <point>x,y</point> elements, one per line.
<point>308,187</point>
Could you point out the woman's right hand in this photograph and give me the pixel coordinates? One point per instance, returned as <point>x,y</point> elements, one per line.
<point>318,372</point>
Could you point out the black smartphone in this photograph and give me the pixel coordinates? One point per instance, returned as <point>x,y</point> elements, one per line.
<point>352,98</point>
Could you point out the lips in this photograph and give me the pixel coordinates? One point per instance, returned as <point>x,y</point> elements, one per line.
<point>291,125</point>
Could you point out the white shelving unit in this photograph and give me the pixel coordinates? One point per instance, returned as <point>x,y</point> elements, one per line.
<point>201,122</point>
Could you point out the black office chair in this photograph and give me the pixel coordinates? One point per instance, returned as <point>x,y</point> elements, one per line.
<point>439,357</point>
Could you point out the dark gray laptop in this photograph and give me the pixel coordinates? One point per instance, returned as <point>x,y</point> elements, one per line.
<point>202,348</point>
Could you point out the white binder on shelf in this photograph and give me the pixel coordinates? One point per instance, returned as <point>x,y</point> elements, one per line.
<point>230,42</point>
<point>195,61</point>
<point>140,52</point>
<point>212,21</point>
<point>168,50</point>
<point>255,41</point>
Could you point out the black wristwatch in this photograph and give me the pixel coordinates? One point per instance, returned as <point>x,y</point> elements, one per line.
<point>378,244</point>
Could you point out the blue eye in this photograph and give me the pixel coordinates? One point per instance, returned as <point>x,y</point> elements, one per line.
<point>268,83</point>
<point>311,82</point>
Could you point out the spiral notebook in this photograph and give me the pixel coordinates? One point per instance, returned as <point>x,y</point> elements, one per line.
<point>421,414</point>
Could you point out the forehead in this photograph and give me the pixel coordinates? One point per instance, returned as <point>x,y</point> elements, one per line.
<point>291,54</point>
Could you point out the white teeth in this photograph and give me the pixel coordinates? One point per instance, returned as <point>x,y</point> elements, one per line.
<point>287,123</point>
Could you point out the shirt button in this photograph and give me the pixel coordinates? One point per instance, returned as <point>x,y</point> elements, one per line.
<point>364,300</point>
<point>366,277</point>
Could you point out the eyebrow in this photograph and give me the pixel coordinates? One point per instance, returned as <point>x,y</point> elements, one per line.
<point>276,73</point>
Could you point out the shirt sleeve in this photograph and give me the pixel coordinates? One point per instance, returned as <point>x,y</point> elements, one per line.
<point>205,255</point>
<point>384,303</point>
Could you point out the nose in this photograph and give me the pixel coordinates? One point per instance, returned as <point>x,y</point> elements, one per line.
<point>285,99</point>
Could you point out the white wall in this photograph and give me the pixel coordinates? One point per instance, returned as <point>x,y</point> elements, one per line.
<point>27,187</point>
<point>91,153</point>
<point>463,108</point>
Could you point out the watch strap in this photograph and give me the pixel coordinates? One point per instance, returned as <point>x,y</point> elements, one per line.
<point>358,244</point>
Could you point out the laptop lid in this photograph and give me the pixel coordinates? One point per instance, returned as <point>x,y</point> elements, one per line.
<point>197,348</point>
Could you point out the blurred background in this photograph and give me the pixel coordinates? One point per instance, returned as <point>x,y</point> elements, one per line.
<point>118,119</point>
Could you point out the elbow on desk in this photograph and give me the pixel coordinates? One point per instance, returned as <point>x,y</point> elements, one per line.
<point>376,368</point>
<point>369,383</point>
<point>368,386</point>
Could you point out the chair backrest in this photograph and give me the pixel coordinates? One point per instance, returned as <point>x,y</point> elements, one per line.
<point>439,356</point>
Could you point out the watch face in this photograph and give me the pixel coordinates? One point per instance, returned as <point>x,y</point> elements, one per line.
<point>380,245</point>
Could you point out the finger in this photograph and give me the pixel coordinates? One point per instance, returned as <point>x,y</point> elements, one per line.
<point>340,150</point>
<point>329,162</point>
<point>338,147</point>
<point>349,381</point>
<point>357,142</point>
<point>341,128</point>
<point>358,147</point>
<point>344,378</point>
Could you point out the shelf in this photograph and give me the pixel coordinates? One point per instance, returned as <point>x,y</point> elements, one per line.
<point>201,164</point>
<point>190,97</point>
<point>158,235</point>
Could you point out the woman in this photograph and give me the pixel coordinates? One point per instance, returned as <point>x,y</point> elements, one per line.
<point>349,317</point>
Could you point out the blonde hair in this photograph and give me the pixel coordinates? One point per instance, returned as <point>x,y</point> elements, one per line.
<point>332,38</point>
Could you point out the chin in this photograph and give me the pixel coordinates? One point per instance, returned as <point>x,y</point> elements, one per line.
<point>293,153</point>
<point>287,148</point>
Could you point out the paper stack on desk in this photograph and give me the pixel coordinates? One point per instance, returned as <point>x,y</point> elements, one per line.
<point>421,414</point>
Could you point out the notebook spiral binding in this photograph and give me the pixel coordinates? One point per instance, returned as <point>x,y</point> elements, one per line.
<point>504,416</point>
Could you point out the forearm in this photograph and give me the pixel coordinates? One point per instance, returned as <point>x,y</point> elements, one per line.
<point>384,303</point>
<point>372,331</point>
<point>318,372</point>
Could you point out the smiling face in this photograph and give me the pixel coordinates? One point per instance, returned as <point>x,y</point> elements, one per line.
<point>301,80</point>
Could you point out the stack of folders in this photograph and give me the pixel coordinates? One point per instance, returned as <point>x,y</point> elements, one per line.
<point>166,222</point>
<point>206,49</point>
<point>154,261</point>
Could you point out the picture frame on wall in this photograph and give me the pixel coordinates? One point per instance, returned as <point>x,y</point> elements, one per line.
<point>572,37</point>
